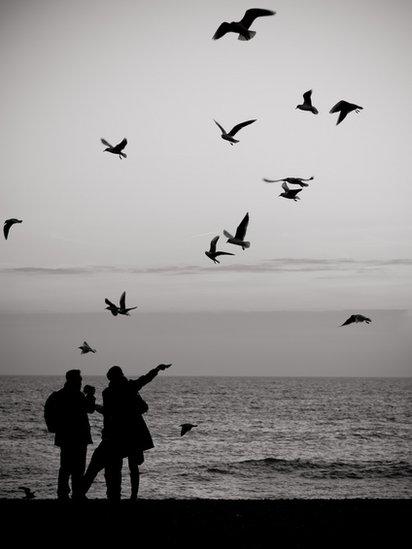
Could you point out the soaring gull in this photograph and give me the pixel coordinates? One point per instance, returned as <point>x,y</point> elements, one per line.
<point>344,108</point>
<point>307,103</point>
<point>239,238</point>
<point>231,135</point>
<point>8,225</point>
<point>117,149</point>
<point>241,28</point>
<point>212,253</point>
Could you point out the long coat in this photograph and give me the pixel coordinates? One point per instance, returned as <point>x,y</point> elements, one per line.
<point>124,427</point>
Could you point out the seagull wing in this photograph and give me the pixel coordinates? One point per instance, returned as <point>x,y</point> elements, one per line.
<point>227,235</point>
<point>122,301</point>
<point>222,129</point>
<point>285,187</point>
<point>122,144</point>
<point>339,106</point>
<point>294,192</point>
<point>350,320</point>
<point>241,230</point>
<point>238,127</point>
<point>105,143</point>
<point>213,245</point>
<point>307,98</point>
<point>222,30</point>
<point>252,14</point>
<point>6,228</point>
<point>272,180</point>
<point>223,253</point>
<point>110,304</point>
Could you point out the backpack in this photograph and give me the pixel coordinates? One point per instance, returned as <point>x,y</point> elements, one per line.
<point>51,415</point>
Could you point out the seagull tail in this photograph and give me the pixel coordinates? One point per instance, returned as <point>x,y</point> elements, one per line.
<point>123,154</point>
<point>251,34</point>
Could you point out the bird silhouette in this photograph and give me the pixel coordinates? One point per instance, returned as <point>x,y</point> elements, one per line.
<point>117,149</point>
<point>291,180</point>
<point>231,135</point>
<point>344,108</point>
<point>186,427</point>
<point>356,319</point>
<point>28,493</point>
<point>121,309</point>
<point>8,224</point>
<point>85,348</point>
<point>290,193</point>
<point>242,27</point>
<point>239,238</point>
<point>212,253</point>
<point>307,103</point>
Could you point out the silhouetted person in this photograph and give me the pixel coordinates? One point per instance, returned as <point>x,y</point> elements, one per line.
<point>65,412</point>
<point>125,433</point>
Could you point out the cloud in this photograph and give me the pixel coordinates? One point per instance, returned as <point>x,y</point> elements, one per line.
<point>275,265</point>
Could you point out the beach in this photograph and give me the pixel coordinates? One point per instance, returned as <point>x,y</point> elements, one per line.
<point>214,523</point>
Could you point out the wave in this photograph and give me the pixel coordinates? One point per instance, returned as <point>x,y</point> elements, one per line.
<point>317,469</point>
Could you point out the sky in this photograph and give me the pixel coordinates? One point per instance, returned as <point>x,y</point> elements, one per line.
<point>94,225</point>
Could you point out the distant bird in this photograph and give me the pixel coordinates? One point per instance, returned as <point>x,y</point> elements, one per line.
<point>28,493</point>
<point>231,135</point>
<point>239,238</point>
<point>307,103</point>
<point>8,224</point>
<point>355,319</point>
<point>344,108</point>
<point>85,348</point>
<point>212,253</point>
<point>117,149</point>
<point>290,193</point>
<point>291,180</point>
<point>186,427</point>
<point>121,310</point>
<point>242,27</point>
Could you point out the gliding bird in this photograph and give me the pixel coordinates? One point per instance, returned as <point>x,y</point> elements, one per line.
<point>290,193</point>
<point>230,136</point>
<point>117,149</point>
<point>242,27</point>
<point>239,238</point>
<point>212,253</point>
<point>291,180</point>
<point>344,108</point>
<point>85,348</point>
<point>8,225</point>
<point>307,103</point>
<point>355,319</point>
<point>121,310</point>
<point>186,427</point>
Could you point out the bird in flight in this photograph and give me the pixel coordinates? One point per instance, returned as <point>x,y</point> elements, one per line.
<point>356,319</point>
<point>231,135</point>
<point>344,108</point>
<point>290,193</point>
<point>307,103</point>
<point>121,309</point>
<point>117,149</point>
<point>85,348</point>
<point>242,27</point>
<point>291,180</point>
<point>212,253</point>
<point>186,427</point>
<point>8,224</point>
<point>28,493</point>
<point>239,238</point>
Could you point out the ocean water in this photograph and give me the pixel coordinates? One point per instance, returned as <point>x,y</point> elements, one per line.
<point>256,438</point>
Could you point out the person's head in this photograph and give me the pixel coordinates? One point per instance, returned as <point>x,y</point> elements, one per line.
<point>74,379</point>
<point>115,373</point>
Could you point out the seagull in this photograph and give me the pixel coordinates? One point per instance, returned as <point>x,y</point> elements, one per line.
<point>344,108</point>
<point>291,180</point>
<point>85,348</point>
<point>8,224</point>
<point>186,427</point>
<point>231,135</point>
<point>28,493</point>
<point>290,193</point>
<point>212,253</point>
<point>239,238</point>
<point>117,149</point>
<point>307,103</point>
<point>355,319</point>
<point>242,27</point>
<point>121,310</point>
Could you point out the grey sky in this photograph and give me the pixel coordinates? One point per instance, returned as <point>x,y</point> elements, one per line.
<point>93,225</point>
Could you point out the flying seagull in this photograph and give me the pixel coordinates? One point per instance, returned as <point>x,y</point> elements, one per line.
<point>239,238</point>
<point>290,193</point>
<point>355,319</point>
<point>212,253</point>
<point>121,309</point>
<point>307,103</point>
<point>242,27</point>
<point>117,149</point>
<point>344,108</point>
<point>28,493</point>
<point>231,135</point>
<point>291,180</point>
<point>8,224</point>
<point>186,427</point>
<point>85,348</point>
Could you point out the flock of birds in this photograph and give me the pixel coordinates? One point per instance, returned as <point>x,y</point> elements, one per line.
<point>242,29</point>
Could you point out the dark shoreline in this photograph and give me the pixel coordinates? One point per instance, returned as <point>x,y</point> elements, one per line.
<point>195,523</point>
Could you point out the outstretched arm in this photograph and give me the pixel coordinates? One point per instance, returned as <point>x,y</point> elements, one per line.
<point>147,378</point>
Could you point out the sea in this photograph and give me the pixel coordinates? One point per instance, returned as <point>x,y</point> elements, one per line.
<point>256,437</point>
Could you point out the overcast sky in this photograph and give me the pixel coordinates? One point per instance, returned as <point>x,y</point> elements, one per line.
<point>94,225</point>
